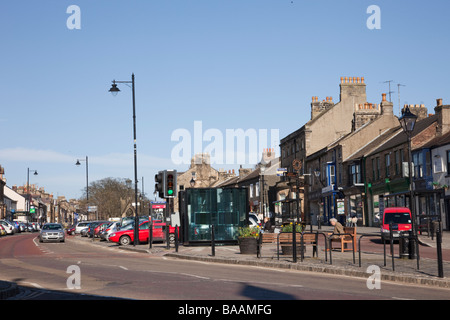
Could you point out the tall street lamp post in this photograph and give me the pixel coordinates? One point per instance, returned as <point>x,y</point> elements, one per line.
<point>408,121</point>
<point>87,182</point>
<point>28,189</point>
<point>114,90</point>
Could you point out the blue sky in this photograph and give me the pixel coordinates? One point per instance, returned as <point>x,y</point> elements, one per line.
<point>250,64</point>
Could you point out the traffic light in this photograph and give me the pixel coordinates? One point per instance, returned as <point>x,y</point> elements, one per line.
<point>159,185</point>
<point>170,183</point>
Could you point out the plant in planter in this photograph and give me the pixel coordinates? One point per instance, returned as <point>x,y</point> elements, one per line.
<point>288,227</point>
<point>248,239</point>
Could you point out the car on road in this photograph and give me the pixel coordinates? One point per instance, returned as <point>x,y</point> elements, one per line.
<point>125,235</point>
<point>52,232</point>
<point>399,218</point>
<point>2,231</point>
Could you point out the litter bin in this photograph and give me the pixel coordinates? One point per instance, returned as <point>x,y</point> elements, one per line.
<point>404,245</point>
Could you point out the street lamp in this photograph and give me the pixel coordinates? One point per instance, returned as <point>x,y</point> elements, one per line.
<point>408,121</point>
<point>28,188</point>
<point>114,91</point>
<point>87,182</point>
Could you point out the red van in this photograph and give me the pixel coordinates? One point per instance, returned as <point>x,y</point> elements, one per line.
<point>400,219</point>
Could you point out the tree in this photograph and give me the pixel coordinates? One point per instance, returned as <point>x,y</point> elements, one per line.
<point>109,195</point>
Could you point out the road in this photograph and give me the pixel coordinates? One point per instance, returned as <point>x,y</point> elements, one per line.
<point>50,271</point>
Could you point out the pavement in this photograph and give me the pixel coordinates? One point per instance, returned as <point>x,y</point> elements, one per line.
<point>392,268</point>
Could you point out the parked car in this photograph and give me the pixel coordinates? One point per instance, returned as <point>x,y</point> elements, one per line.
<point>2,231</point>
<point>84,232</point>
<point>254,221</point>
<point>95,227</point>
<point>71,230</point>
<point>52,232</point>
<point>125,235</point>
<point>111,228</point>
<point>9,227</point>
<point>17,226</point>
<point>80,226</point>
<point>401,221</point>
<point>28,227</point>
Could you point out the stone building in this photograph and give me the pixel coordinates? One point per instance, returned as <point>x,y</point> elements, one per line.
<point>335,195</point>
<point>329,122</point>
<point>386,178</point>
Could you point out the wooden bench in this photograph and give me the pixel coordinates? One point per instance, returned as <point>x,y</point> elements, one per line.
<point>266,237</point>
<point>285,239</point>
<point>349,236</point>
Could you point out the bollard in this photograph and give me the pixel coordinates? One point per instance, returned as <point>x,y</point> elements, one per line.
<point>150,235</point>
<point>213,242</point>
<point>167,236</point>
<point>391,236</point>
<point>403,245</point>
<point>176,238</point>
<point>294,244</point>
<point>439,251</point>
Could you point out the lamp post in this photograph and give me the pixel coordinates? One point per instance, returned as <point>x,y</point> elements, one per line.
<point>28,188</point>
<point>262,200</point>
<point>114,90</point>
<point>408,121</point>
<point>87,182</point>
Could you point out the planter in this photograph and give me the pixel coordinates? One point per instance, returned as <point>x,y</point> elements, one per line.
<point>248,245</point>
<point>288,250</point>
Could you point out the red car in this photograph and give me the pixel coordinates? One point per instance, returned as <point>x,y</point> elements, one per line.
<point>126,236</point>
<point>71,230</point>
<point>400,219</point>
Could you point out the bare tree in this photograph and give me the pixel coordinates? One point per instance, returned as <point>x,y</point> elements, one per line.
<point>107,194</point>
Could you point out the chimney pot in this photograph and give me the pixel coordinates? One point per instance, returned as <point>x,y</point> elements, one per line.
<point>439,101</point>
<point>384,96</point>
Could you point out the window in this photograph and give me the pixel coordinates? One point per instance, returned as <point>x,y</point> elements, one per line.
<point>398,161</point>
<point>373,170</point>
<point>331,174</point>
<point>378,168</point>
<point>428,171</point>
<point>418,165</point>
<point>354,174</point>
<point>388,164</point>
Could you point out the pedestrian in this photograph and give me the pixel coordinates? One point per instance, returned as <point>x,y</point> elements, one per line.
<point>267,224</point>
<point>338,228</point>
